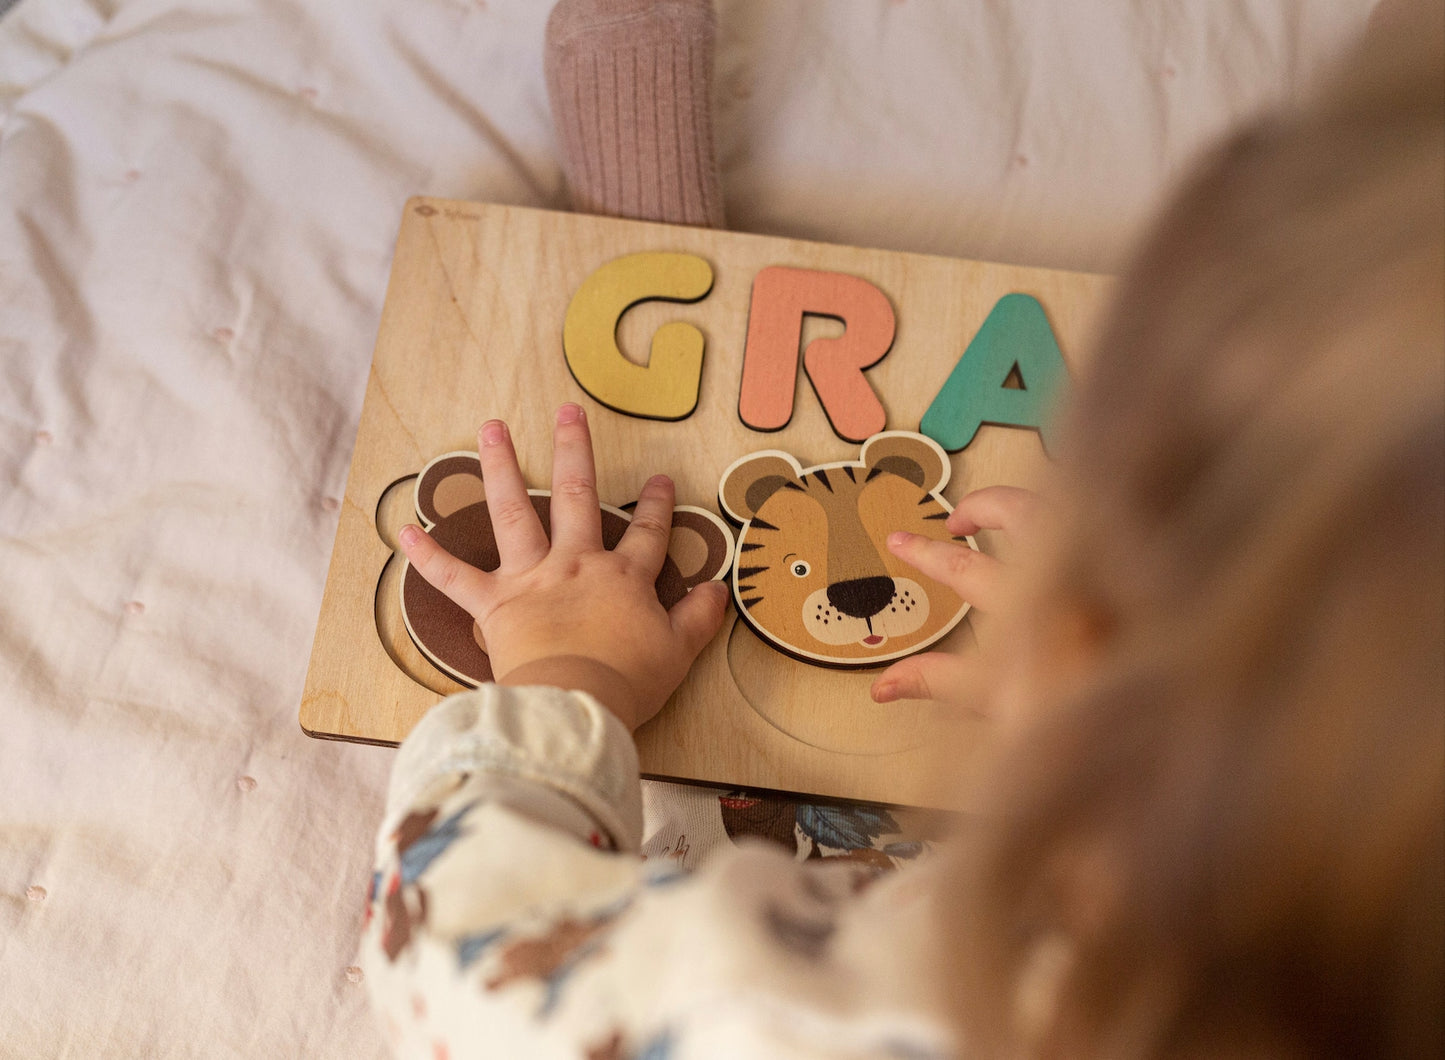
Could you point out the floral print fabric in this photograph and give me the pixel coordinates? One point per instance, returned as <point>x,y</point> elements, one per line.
<point>511,914</point>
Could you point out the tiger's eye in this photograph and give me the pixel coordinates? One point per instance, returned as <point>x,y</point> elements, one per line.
<point>801,569</point>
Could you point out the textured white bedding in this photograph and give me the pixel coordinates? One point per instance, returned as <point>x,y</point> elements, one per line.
<point>197,205</point>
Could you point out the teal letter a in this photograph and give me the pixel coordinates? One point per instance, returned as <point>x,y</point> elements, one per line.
<point>1015,337</point>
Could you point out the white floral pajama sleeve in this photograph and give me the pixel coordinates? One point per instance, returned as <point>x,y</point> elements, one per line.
<point>511,916</point>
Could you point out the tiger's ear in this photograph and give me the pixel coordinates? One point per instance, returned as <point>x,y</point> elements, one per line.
<point>448,484</point>
<point>752,479</point>
<point>915,457</point>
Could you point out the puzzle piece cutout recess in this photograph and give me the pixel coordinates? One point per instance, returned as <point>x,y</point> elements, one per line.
<point>1015,337</point>
<point>451,503</point>
<point>813,575</point>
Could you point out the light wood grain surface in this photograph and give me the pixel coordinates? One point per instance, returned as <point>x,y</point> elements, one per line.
<point>472,329</point>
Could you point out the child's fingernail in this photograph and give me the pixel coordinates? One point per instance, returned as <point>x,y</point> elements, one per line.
<point>899,538</point>
<point>410,535</point>
<point>494,432</point>
<point>884,692</point>
<point>570,413</point>
<point>659,481</point>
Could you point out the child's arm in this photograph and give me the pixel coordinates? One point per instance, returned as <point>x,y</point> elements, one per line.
<point>511,917</point>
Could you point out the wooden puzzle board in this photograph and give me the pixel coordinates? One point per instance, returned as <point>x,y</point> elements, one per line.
<point>472,329</point>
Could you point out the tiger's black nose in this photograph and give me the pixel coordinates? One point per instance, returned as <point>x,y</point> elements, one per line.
<point>861,597</point>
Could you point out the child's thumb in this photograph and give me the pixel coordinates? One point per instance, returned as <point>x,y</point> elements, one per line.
<point>698,616</point>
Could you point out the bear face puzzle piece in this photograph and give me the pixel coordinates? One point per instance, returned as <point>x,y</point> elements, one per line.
<point>451,503</point>
<point>813,575</point>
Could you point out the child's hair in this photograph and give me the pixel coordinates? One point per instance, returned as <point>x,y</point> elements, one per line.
<point>1231,838</point>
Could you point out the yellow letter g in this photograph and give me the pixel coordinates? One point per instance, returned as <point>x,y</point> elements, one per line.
<point>666,388</point>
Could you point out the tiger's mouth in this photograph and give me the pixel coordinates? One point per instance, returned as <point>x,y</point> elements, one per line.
<point>873,639</point>
<point>905,612</point>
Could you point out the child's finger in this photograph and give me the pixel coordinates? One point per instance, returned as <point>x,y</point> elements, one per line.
<point>931,675</point>
<point>460,582</point>
<point>647,536</point>
<point>521,541</point>
<point>968,572</point>
<point>576,516</point>
<point>699,615</point>
<point>992,508</point>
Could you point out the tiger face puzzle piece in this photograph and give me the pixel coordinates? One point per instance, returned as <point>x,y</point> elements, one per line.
<point>451,504</point>
<point>813,575</point>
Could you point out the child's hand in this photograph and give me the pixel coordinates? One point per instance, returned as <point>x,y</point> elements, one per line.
<point>567,612</point>
<point>979,579</point>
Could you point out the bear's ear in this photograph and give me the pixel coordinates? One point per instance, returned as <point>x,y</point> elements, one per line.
<point>448,484</point>
<point>915,457</point>
<point>752,480</point>
<point>700,550</point>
